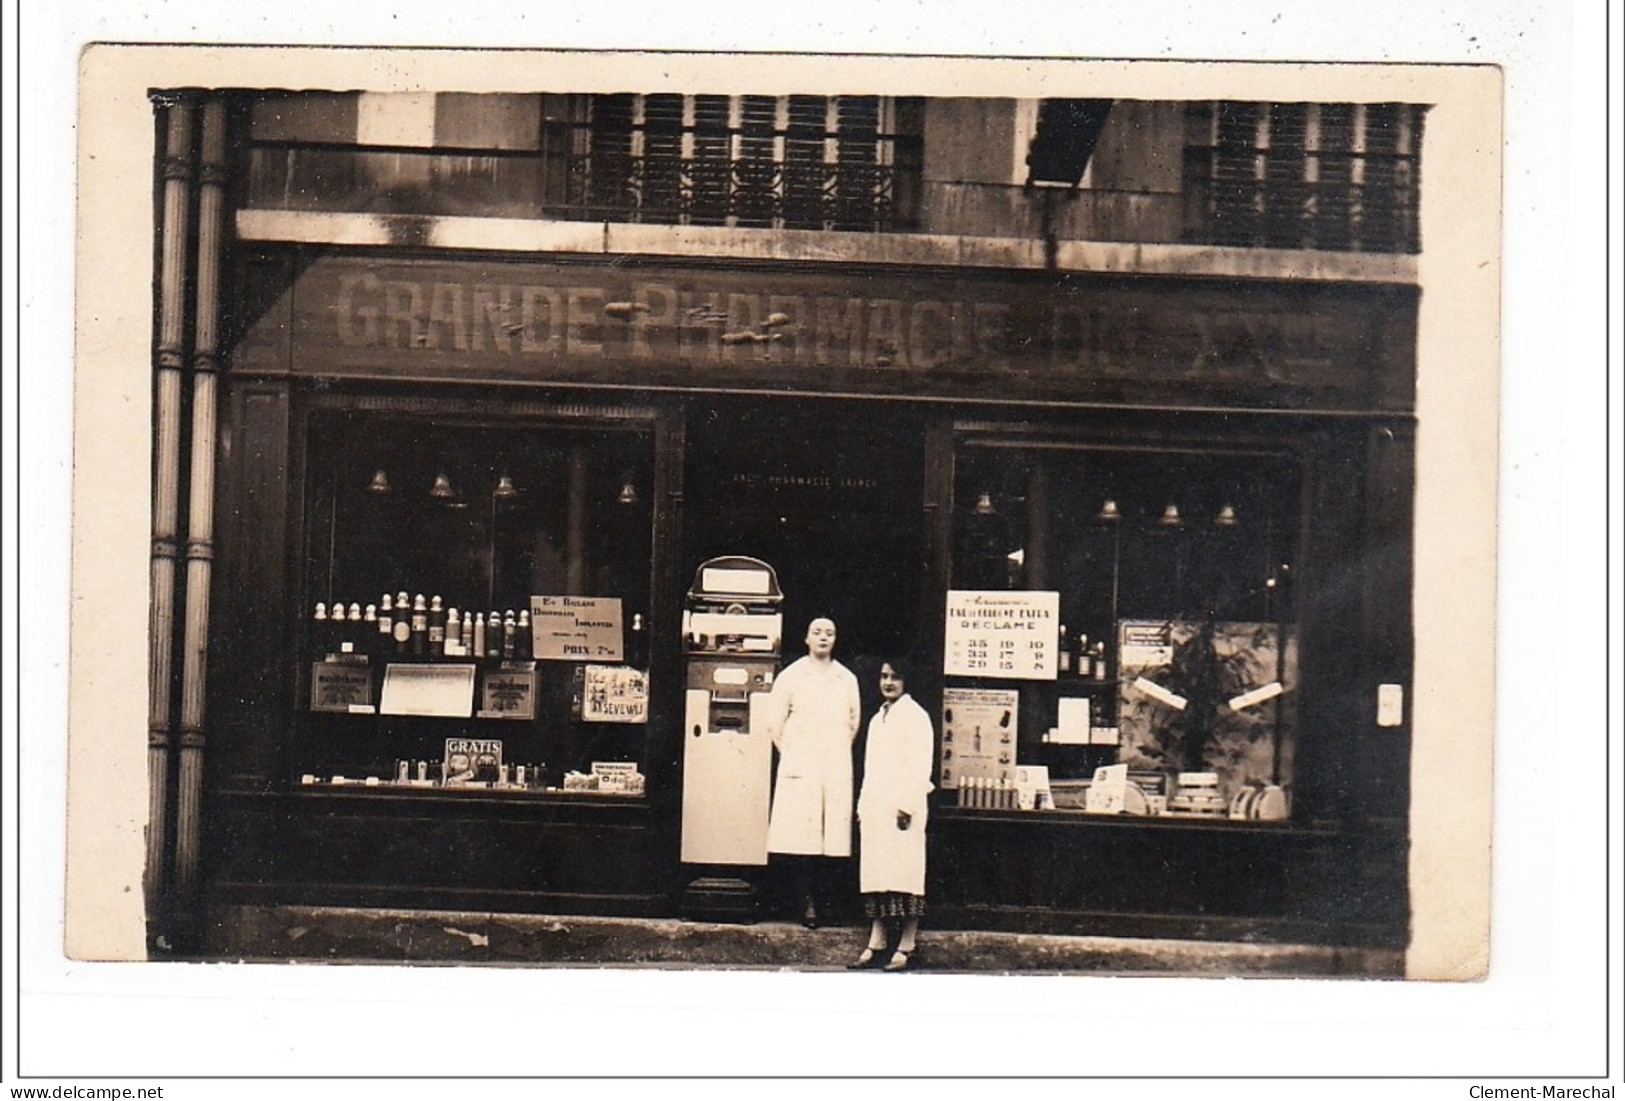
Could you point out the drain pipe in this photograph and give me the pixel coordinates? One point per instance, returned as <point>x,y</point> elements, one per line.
<point>168,361</point>
<point>200,511</point>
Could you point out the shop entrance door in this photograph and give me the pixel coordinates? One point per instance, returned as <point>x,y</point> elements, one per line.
<point>827,492</point>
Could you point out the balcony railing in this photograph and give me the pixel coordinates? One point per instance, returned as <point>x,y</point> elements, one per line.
<point>779,179</point>
<point>1358,203</point>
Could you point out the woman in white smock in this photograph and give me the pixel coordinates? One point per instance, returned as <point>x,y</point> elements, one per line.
<point>814,721</point>
<point>892,811</point>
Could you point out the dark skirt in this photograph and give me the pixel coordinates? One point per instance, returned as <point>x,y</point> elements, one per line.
<point>893,904</point>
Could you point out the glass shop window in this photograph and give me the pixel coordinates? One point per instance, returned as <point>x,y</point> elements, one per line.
<point>475,604</point>
<point>1175,628</point>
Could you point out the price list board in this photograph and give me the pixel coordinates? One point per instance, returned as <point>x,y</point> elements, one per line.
<point>1001,634</point>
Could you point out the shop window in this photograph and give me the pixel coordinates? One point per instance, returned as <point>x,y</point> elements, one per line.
<point>1170,579</point>
<point>509,566</point>
<point>1334,176</point>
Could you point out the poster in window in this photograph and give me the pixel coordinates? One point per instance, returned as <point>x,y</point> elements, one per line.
<point>614,694</point>
<point>472,761</point>
<point>576,628</point>
<point>1008,635</point>
<point>1215,697</point>
<point>978,734</point>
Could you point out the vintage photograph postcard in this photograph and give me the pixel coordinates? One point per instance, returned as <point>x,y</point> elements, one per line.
<point>821,394</point>
<point>797,513</point>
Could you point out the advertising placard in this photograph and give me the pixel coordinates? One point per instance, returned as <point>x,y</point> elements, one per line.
<point>978,734</point>
<point>508,694</point>
<point>576,628</point>
<point>341,687</point>
<point>472,761</point>
<point>614,694</point>
<point>1003,634</point>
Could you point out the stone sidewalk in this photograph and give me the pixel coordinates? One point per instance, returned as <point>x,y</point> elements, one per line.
<point>261,933</point>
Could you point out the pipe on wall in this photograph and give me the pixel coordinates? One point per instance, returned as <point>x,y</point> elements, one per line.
<point>168,364</point>
<point>200,506</point>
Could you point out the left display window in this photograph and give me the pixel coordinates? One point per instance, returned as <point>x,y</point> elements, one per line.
<point>474,607</point>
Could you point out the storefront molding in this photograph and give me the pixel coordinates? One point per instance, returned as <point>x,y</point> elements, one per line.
<point>820,246</point>
<point>1022,336</point>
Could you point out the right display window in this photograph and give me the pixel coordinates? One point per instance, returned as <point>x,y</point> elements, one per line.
<point>1155,593</point>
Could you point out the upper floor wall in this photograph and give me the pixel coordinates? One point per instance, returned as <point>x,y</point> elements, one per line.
<point>1319,181</point>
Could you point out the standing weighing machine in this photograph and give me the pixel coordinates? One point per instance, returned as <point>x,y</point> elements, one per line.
<point>732,632</point>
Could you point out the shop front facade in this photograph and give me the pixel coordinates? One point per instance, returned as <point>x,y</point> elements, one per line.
<point>1145,526</point>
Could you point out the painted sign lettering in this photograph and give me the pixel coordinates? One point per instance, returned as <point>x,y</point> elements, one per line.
<point>813,329</point>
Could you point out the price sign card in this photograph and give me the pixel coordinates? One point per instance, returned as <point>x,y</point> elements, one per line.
<point>576,628</point>
<point>1007,635</point>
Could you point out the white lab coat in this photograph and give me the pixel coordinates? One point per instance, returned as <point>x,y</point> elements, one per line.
<point>896,777</point>
<point>813,718</point>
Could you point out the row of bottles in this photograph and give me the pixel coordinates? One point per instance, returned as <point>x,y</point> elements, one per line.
<point>1079,659</point>
<point>415,628</point>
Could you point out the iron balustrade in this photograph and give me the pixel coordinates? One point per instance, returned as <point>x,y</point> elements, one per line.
<point>793,178</point>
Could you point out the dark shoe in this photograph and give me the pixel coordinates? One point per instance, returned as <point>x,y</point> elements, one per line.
<point>869,960</point>
<point>903,961</point>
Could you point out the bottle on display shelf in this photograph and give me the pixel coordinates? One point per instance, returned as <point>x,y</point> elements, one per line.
<point>1099,656</point>
<point>510,629</point>
<point>1086,659</point>
<point>637,643</point>
<point>354,641</point>
<point>437,627</point>
<point>1063,653</point>
<point>386,626</point>
<point>402,624</point>
<point>465,635</point>
<point>368,640</point>
<point>420,626</point>
<point>477,635</point>
<point>452,646</point>
<point>522,636</point>
<point>320,636</point>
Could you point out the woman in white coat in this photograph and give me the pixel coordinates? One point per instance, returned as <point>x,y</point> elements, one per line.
<point>892,811</point>
<point>814,721</point>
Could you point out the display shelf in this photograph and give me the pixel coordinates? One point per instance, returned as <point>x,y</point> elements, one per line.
<point>1165,821</point>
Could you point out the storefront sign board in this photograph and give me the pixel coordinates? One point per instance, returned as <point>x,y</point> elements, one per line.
<point>822,330</point>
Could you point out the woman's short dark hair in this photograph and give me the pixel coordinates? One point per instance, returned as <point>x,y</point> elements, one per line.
<point>901,666</point>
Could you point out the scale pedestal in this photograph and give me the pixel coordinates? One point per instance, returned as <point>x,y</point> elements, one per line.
<point>722,898</point>
<point>732,629</point>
